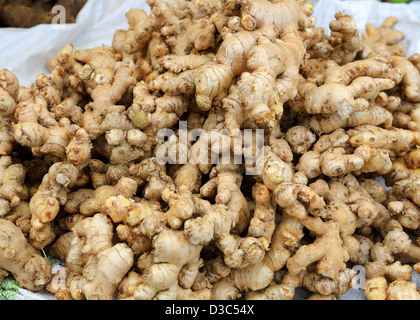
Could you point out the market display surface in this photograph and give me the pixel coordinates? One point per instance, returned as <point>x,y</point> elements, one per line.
<point>280,191</point>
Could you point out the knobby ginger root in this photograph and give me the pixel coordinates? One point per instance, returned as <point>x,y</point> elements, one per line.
<point>375,288</point>
<point>398,141</point>
<point>283,291</point>
<point>149,220</point>
<point>325,286</point>
<point>252,249</point>
<point>298,200</point>
<point>153,173</point>
<point>383,40</point>
<point>164,278</point>
<point>333,156</point>
<point>181,205</point>
<point>393,272</point>
<point>29,268</point>
<point>62,246</point>
<point>374,115</point>
<point>378,289</point>
<point>38,123</point>
<point>111,82</point>
<point>256,24</point>
<point>98,167</point>
<point>53,191</point>
<point>262,224</point>
<point>406,211</point>
<point>9,90</point>
<point>89,202</point>
<point>345,35</point>
<point>217,222</point>
<point>271,169</point>
<point>263,92</point>
<point>411,77</point>
<point>300,139</point>
<point>347,89</point>
<point>21,217</point>
<point>402,290</point>
<point>331,257</point>
<point>254,277</point>
<point>12,188</point>
<point>99,266</point>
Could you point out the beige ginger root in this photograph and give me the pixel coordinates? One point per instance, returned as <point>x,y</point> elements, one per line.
<point>398,141</point>
<point>378,289</point>
<point>375,288</point>
<point>29,268</point>
<point>226,219</point>
<point>373,115</point>
<point>9,91</point>
<point>150,221</point>
<point>21,217</point>
<point>36,126</point>
<point>89,202</point>
<point>325,286</point>
<point>283,291</point>
<point>53,191</point>
<point>12,188</point>
<point>344,38</point>
<point>259,248</point>
<point>346,89</point>
<point>167,278</point>
<point>327,250</point>
<point>111,81</point>
<point>262,224</point>
<point>86,168</point>
<point>383,40</point>
<point>275,70</point>
<point>402,290</point>
<point>410,78</point>
<point>253,277</point>
<point>287,235</point>
<point>212,83</point>
<point>95,265</point>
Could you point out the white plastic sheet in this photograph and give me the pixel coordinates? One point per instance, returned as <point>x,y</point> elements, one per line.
<point>25,51</point>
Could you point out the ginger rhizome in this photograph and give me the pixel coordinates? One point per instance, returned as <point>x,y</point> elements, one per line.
<point>299,158</point>
<point>53,191</point>
<point>9,91</point>
<point>171,270</point>
<point>12,187</point>
<point>20,259</point>
<point>95,265</point>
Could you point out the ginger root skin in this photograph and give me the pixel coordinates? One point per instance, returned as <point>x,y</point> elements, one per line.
<point>17,257</point>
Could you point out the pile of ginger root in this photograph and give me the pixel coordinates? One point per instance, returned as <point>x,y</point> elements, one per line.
<point>332,187</point>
